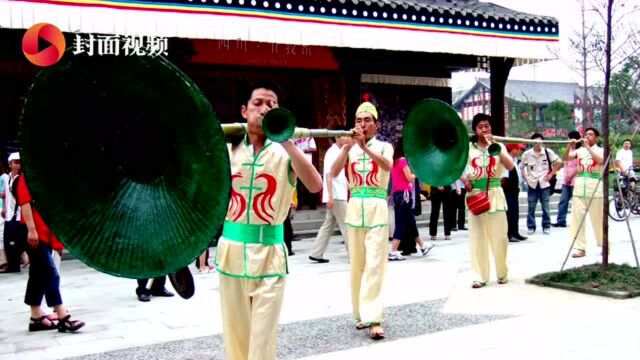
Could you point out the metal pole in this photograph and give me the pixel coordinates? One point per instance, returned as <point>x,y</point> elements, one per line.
<point>584,216</point>
<point>633,245</point>
<point>605,168</point>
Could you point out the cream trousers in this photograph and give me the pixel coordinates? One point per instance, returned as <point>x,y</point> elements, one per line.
<point>368,257</point>
<point>578,208</point>
<point>488,231</point>
<point>250,313</point>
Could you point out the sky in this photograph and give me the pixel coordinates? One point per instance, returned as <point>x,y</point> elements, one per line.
<point>568,14</point>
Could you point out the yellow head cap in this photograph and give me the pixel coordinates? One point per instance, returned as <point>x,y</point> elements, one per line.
<point>368,108</point>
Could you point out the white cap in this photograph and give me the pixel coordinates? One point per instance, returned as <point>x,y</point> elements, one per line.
<point>14,156</point>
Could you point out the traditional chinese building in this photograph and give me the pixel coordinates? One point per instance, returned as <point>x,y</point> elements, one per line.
<point>326,55</point>
<point>535,96</point>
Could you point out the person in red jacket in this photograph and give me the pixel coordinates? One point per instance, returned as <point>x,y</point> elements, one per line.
<point>44,279</point>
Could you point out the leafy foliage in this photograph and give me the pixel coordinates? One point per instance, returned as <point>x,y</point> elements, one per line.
<point>558,114</point>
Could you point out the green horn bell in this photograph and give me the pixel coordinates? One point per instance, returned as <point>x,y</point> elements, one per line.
<point>278,125</point>
<point>436,142</point>
<point>126,162</point>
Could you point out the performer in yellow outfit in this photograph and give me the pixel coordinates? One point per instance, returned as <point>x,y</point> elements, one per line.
<point>368,167</point>
<point>251,257</point>
<point>487,230</point>
<point>590,162</point>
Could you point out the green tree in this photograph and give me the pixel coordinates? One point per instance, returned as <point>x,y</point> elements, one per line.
<point>558,115</point>
<point>521,119</point>
<point>625,96</point>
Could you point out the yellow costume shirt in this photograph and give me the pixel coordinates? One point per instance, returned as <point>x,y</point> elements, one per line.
<point>368,182</point>
<point>479,165</point>
<point>262,185</point>
<point>588,175</point>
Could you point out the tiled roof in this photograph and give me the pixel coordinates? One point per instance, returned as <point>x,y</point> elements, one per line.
<point>537,92</point>
<point>454,15</point>
<point>458,7</point>
<point>466,27</point>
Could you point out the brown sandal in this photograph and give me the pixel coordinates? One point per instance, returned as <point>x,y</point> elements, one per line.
<point>503,281</point>
<point>478,284</point>
<point>377,333</point>
<point>578,254</point>
<point>361,325</point>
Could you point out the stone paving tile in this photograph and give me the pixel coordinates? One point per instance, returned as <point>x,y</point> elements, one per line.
<point>32,345</point>
<point>72,340</point>
<point>94,346</point>
<point>7,347</point>
<point>304,338</point>
<point>117,321</point>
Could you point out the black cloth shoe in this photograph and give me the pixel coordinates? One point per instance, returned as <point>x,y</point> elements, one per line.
<point>318,260</point>
<point>462,228</point>
<point>454,229</point>
<point>559,225</point>
<point>513,239</point>
<point>520,237</point>
<point>163,292</point>
<point>144,297</point>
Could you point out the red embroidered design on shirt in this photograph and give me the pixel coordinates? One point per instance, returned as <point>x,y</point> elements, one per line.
<point>491,169</point>
<point>357,178</point>
<point>477,170</point>
<point>372,177</point>
<point>264,200</point>
<point>238,203</point>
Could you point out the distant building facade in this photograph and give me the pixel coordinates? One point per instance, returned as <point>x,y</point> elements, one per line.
<point>537,95</point>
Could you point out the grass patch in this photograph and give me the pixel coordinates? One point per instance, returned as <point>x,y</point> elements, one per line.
<point>616,278</point>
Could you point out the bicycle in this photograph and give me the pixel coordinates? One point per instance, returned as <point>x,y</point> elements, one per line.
<point>621,207</point>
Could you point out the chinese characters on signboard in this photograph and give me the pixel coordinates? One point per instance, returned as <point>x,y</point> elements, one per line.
<point>115,45</point>
<point>250,53</point>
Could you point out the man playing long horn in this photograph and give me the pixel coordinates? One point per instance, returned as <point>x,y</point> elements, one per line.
<point>488,229</point>
<point>368,167</point>
<point>590,163</point>
<point>251,257</point>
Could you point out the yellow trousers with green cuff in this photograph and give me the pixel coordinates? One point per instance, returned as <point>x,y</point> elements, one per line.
<point>488,230</point>
<point>368,256</point>
<point>251,260</point>
<point>578,209</point>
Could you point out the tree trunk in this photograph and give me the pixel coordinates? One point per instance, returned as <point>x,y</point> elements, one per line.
<point>605,134</point>
<point>585,89</point>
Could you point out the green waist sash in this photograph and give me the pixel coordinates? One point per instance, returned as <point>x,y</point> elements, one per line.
<point>368,192</point>
<point>589,175</point>
<point>266,235</point>
<point>482,183</point>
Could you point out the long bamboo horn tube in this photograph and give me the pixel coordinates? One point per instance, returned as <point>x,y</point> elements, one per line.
<point>515,140</point>
<point>279,125</point>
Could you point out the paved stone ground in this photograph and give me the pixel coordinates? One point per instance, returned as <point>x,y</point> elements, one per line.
<point>431,311</point>
<point>322,335</point>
